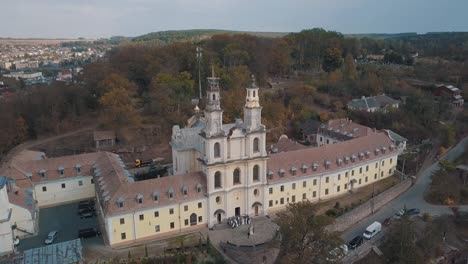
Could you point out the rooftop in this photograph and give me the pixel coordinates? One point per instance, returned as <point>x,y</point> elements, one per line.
<point>372,102</point>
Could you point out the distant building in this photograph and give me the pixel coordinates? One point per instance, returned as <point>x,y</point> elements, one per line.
<point>23,75</point>
<point>381,103</point>
<point>450,91</point>
<point>64,75</point>
<point>6,65</point>
<point>104,139</point>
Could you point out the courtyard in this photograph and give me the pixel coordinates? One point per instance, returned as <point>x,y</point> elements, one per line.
<point>65,220</point>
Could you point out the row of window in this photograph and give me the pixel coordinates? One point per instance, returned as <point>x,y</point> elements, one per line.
<point>217,147</point>
<point>304,183</point>
<point>64,185</point>
<point>236,179</point>
<point>157,228</point>
<point>156,213</point>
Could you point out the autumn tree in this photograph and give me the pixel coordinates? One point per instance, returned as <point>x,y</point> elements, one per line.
<point>118,108</point>
<point>400,246</point>
<point>304,238</point>
<point>332,60</point>
<point>350,71</point>
<point>21,130</point>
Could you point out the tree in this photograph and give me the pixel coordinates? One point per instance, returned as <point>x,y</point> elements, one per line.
<point>21,130</point>
<point>400,246</point>
<point>350,71</point>
<point>118,108</point>
<point>323,116</point>
<point>304,238</point>
<point>332,60</point>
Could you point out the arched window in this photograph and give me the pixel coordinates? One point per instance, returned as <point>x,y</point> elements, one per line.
<point>217,179</point>
<point>214,97</point>
<point>256,147</point>
<point>217,150</point>
<point>193,219</point>
<point>256,172</point>
<point>253,93</point>
<point>236,176</point>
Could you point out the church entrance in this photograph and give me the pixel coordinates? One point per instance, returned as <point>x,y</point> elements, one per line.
<point>256,210</point>
<point>237,212</point>
<point>219,218</point>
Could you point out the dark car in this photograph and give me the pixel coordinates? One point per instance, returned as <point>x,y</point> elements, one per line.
<point>413,211</point>
<point>86,204</point>
<point>87,215</point>
<point>88,232</point>
<point>86,210</point>
<point>355,242</point>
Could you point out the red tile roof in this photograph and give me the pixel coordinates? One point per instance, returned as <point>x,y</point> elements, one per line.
<point>319,155</point>
<point>286,144</point>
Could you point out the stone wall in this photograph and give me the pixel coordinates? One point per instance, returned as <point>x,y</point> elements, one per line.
<point>345,221</point>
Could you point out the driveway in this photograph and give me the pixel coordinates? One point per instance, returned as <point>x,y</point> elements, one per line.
<point>65,220</point>
<point>414,197</point>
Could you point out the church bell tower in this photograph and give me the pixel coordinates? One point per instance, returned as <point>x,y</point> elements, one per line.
<point>213,112</point>
<point>252,108</point>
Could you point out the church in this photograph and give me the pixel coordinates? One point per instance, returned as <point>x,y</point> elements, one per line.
<point>219,170</point>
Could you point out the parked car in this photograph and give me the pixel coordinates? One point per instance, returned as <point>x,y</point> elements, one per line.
<point>51,237</point>
<point>372,230</point>
<point>399,214</point>
<point>86,204</point>
<point>88,214</point>
<point>412,211</point>
<point>88,232</point>
<point>86,210</point>
<point>355,242</point>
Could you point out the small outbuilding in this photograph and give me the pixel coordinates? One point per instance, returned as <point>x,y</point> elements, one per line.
<point>103,139</point>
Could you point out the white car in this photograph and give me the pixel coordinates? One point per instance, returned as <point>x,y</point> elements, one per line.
<point>50,237</point>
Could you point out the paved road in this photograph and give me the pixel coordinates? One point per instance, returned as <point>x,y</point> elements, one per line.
<point>414,197</point>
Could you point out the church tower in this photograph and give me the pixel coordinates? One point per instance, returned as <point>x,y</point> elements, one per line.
<point>252,109</point>
<point>213,112</point>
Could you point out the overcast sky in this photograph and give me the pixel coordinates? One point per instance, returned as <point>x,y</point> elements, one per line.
<point>105,18</point>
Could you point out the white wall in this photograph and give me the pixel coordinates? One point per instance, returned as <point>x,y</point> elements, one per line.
<point>55,194</point>
<point>23,219</point>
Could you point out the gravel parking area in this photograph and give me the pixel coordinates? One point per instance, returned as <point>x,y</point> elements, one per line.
<point>66,221</point>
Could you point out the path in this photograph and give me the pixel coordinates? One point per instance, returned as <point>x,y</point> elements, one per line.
<point>414,197</point>
<point>5,160</point>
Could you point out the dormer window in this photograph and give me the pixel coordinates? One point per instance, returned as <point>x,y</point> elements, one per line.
<point>384,149</point>
<point>281,173</point>
<point>339,161</point>
<point>392,147</point>
<point>120,202</point>
<point>78,168</point>
<point>199,188</point>
<point>304,168</point>
<point>377,151</point>
<point>61,170</point>
<point>361,156</point>
<point>353,158</point>
<point>42,173</point>
<point>170,192</point>
<point>293,170</point>
<point>139,198</point>
<point>367,154</point>
<point>314,167</point>
<point>346,160</point>
<point>185,190</point>
<point>270,175</point>
<point>155,196</point>
<point>327,164</point>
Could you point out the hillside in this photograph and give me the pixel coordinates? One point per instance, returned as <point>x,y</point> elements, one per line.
<point>169,36</point>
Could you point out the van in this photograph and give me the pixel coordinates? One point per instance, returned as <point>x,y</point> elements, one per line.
<point>372,230</point>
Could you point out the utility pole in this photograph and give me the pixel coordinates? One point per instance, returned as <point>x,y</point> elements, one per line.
<point>199,57</point>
